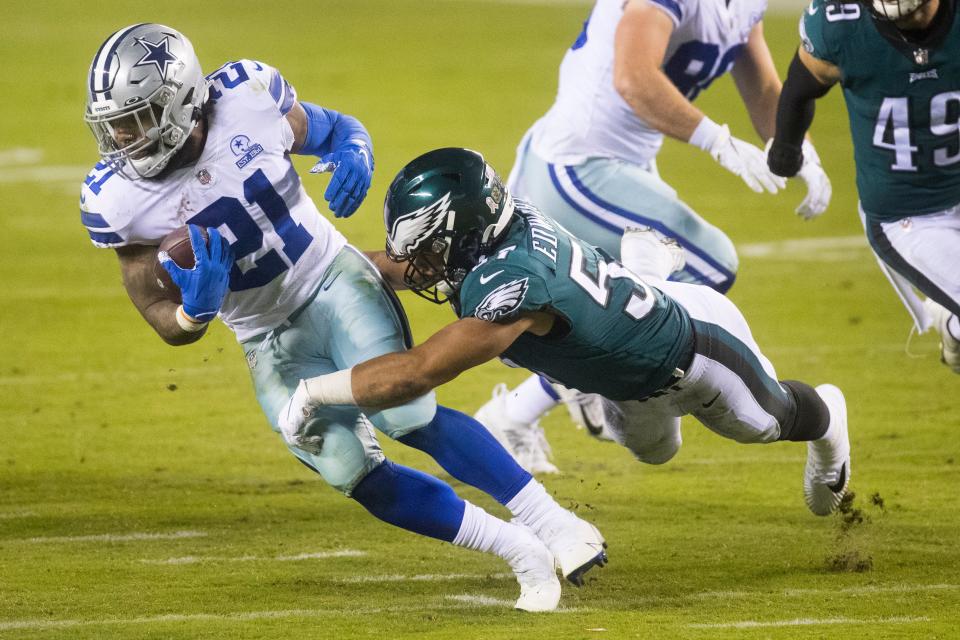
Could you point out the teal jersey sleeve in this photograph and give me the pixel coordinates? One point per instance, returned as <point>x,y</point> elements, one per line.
<point>822,26</point>
<point>499,291</point>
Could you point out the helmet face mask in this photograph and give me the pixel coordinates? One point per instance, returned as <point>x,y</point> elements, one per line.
<point>444,212</point>
<point>893,10</point>
<point>144,97</point>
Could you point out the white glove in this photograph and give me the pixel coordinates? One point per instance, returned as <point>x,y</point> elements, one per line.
<point>737,156</point>
<point>819,189</point>
<point>293,419</point>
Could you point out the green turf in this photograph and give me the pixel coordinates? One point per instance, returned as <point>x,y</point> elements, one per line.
<point>104,430</point>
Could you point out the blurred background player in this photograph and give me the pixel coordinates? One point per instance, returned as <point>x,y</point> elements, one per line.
<point>527,291</point>
<point>898,62</point>
<point>180,148</point>
<point>628,80</point>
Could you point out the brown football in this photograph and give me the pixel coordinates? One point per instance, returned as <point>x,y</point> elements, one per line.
<point>178,247</point>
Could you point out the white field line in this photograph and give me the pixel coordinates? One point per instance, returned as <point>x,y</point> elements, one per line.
<point>318,555</point>
<point>20,156</point>
<point>13,515</point>
<point>865,590</point>
<point>157,373</point>
<point>426,577</point>
<point>118,537</point>
<point>44,173</point>
<point>806,622</point>
<point>457,602</point>
<point>829,249</point>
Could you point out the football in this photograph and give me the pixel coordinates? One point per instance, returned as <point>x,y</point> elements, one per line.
<point>178,247</point>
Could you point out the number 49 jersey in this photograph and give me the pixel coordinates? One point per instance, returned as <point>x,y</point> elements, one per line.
<point>614,334</point>
<point>590,119</point>
<point>245,185</point>
<point>904,107</point>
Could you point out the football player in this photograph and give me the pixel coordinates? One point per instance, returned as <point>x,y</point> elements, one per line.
<point>898,62</point>
<point>527,291</point>
<point>214,151</point>
<point>630,79</point>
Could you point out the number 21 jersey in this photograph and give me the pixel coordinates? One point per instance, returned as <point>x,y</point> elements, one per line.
<point>245,185</point>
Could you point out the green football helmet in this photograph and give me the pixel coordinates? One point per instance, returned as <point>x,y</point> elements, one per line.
<point>444,211</point>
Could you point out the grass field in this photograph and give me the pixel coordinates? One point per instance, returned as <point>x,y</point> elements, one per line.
<point>142,494</point>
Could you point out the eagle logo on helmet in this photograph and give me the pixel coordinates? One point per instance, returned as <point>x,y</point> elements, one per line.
<point>157,54</point>
<point>502,300</point>
<point>410,230</point>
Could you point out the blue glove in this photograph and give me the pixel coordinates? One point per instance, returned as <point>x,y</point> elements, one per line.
<point>352,168</point>
<point>203,287</point>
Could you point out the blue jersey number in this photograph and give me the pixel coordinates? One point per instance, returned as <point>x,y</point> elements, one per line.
<point>694,65</point>
<point>249,238</point>
<point>228,76</point>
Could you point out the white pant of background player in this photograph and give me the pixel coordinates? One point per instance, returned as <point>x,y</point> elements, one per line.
<point>923,252</point>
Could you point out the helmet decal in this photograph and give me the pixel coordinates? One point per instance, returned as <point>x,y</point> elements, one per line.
<point>410,230</point>
<point>158,54</point>
<point>502,300</point>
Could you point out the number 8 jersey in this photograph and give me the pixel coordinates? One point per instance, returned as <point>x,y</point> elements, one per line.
<point>590,119</point>
<point>904,105</point>
<point>244,184</point>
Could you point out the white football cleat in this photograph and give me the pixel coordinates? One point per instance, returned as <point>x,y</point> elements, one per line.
<point>949,344</point>
<point>577,545</point>
<point>589,411</point>
<point>525,442</point>
<point>827,473</point>
<point>533,565</point>
<point>649,253</point>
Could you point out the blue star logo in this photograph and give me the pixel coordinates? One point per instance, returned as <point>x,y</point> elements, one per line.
<point>157,54</point>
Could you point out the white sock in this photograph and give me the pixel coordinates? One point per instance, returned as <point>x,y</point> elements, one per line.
<point>533,505</point>
<point>529,401</point>
<point>481,531</point>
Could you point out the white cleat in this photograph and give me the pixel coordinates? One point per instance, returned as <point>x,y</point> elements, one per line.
<point>577,545</point>
<point>533,565</point>
<point>650,254</point>
<point>949,344</point>
<point>525,442</point>
<point>827,474</point>
<point>589,411</point>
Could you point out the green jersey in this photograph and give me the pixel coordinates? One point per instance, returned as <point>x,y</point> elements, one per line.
<point>903,102</point>
<point>614,334</point>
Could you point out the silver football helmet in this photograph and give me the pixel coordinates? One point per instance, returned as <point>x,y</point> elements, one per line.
<point>145,91</point>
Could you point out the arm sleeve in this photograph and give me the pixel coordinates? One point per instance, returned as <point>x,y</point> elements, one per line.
<point>328,130</point>
<point>673,8</point>
<point>795,112</point>
<point>499,292</point>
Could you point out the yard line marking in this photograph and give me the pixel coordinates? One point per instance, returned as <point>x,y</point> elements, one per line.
<point>20,155</point>
<point>804,622</point>
<point>17,514</point>
<point>38,625</point>
<point>317,555</point>
<point>480,601</point>
<point>826,249</point>
<point>427,577</point>
<point>118,537</point>
<point>44,173</point>
<point>158,373</point>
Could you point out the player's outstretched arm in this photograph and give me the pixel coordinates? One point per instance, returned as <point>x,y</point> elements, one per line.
<point>136,268</point>
<point>344,147</point>
<point>396,378</point>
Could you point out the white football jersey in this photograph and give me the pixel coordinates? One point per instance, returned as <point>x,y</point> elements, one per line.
<point>590,119</point>
<point>243,184</point>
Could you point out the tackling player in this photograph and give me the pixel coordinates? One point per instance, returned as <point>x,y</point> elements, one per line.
<point>527,291</point>
<point>630,79</point>
<point>898,62</point>
<point>181,148</point>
